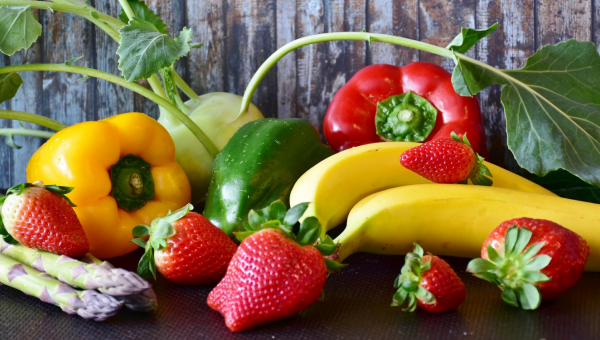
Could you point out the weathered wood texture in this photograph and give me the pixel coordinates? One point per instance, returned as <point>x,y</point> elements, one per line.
<point>238,35</point>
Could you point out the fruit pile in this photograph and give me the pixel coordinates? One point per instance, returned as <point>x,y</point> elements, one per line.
<point>272,190</point>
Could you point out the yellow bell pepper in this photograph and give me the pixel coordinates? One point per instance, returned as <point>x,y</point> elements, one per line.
<point>124,173</point>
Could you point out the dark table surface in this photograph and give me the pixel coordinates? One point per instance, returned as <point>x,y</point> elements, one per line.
<point>356,306</point>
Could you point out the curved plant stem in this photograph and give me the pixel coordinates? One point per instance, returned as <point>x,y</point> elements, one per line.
<point>184,86</point>
<point>127,9</point>
<point>32,118</point>
<point>27,132</point>
<point>196,131</point>
<point>361,36</point>
<point>84,11</point>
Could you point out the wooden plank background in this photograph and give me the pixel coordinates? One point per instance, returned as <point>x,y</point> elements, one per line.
<point>240,34</point>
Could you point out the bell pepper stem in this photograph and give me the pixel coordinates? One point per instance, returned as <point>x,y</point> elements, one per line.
<point>195,129</point>
<point>32,118</point>
<point>27,132</point>
<point>369,37</point>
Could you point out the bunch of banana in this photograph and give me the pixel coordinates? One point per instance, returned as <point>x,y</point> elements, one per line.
<point>389,207</point>
<point>449,219</point>
<point>339,182</point>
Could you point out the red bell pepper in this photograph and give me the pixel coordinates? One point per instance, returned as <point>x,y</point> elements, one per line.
<point>401,115</point>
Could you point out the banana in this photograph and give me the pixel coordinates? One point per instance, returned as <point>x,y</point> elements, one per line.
<point>336,184</point>
<point>449,219</point>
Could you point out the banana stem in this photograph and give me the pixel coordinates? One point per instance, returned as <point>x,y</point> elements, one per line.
<point>195,129</point>
<point>32,118</point>
<point>313,39</point>
<point>26,132</point>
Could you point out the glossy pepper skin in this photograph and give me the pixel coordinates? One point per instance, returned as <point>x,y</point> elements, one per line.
<point>259,165</point>
<point>82,155</point>
<point>350,118</point>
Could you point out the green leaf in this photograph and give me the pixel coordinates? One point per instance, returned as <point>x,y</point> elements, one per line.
<point>140,230</point>
<point>552,108</point>
<point>163,230</point>
<point>294,214</point>
<point>254,220</point>
<point>277,210</point>
<point>468,37</point>
<point>529,296</point>
<point>309,232</point>
<point>242,235</point>
<point>146,265</point>
<point>509,296</point>
<point>480,265</point>
<point>566,185</point>
<point>144,50</point>
<point>19,28</point>
<point>139,242</point>
<point>532,251</point>
<point>142,11</point>
<point>493,255</point>
<point>538,263</point>
<point>534,277</point>
<point>418,249</point>
<point>522,240</point>
<point>326,247</point>
<point>9,86</point>
<point>172,217</point>
<point>333,266</point>
<point>510,239</point>
<point>72,60</point>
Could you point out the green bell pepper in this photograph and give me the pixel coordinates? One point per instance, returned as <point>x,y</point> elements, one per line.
<point>260,164</point>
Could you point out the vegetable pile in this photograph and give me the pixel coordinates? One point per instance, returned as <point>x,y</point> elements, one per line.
<point>272,190</point>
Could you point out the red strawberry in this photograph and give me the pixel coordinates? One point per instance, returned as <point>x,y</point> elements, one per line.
<point>274,274</point>
<point>530,260</point>
<point>185,247</point>
<point>447,160</point>
<point>42,217</point>
<point>429,282</point>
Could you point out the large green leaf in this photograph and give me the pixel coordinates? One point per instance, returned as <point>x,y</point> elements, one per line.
<point>552,107</point>
<point>143,12</point>
<point>9,85</point>
<point>19,28</point>
<point>144,50</point>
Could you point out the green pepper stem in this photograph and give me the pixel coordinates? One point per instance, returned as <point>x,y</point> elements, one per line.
<point>195,129</point>
<point>361,36</point>
<point>27,132</point>
<point>32,118</point>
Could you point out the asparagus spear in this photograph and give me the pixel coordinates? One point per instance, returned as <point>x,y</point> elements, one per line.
<point>89,304</point>
<point>143,302</point>
<point>112,281</point>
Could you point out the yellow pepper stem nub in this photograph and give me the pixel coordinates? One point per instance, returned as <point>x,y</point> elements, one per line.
<point>132,183</point>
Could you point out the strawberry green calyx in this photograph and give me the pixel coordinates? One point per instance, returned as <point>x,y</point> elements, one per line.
<point>408,281</point>
<point>59,190</point>
<point>159,231</point>
<point>17,190</point>
<point>306,233</point>
<point>480,174</point>
<point>515,270</point>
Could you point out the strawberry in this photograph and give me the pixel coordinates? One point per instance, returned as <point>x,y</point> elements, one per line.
<point>275,273</point>
<point>447,160</point>
<point>530,260</point>
<point>429,282</point>
<point>185,247</point>
<point>42,217</point>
